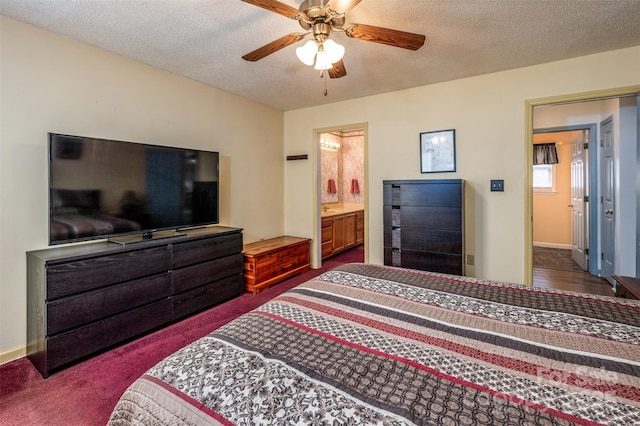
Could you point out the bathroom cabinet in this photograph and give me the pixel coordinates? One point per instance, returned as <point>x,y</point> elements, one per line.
<point>342,231</point>
<point>360,227</point>
<point>327,236</point>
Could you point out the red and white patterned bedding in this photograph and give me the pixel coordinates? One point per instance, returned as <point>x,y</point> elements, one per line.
<point>368,344</point>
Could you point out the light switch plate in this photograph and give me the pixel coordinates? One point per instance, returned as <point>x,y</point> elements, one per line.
<point>497,185</point>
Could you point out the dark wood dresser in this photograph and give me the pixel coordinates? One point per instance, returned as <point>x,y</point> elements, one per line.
<point>86,298</point>
<point>424,224</point>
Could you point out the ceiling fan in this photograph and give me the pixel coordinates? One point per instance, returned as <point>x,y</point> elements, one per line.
<point>318,18</point>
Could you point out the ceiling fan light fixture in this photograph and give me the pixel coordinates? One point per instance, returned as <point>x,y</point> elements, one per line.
<point>322,62</point>
<point>334,51</point>
<point>307,53</point>
<point>329,53</point>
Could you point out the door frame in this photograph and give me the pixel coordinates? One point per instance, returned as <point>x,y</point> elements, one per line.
<point>316,252</point>
<point>592,186</point>
<point>528,166</point>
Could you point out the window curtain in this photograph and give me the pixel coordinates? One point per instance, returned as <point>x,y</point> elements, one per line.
<point>545,153</point>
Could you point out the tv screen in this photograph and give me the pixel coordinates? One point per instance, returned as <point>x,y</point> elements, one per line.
<point>101,188</point>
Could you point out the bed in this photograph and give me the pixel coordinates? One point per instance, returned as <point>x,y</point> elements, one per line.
<point>371,344</point>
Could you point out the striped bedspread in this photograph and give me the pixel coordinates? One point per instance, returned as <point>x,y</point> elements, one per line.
<point>367,344</point>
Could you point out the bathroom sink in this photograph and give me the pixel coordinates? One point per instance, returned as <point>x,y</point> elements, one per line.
<point>330,212</point>
<point>341,209</point>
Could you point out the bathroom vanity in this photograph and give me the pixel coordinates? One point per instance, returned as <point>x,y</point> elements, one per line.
<point>342,227</point>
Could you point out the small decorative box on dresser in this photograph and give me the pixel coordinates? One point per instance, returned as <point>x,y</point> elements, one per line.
<point>86,298</point>
<point>627,287</point>
<point>270,261</point>
<point>424,224</point>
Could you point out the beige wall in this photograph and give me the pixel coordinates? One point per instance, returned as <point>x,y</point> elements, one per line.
<point>49,83</point>
<point>488,113</point>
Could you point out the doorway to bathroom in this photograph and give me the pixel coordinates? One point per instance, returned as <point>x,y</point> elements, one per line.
<point>341,191</point>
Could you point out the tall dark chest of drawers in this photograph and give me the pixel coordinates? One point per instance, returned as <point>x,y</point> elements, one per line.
<point>424,224</point>
<point>86,298</point>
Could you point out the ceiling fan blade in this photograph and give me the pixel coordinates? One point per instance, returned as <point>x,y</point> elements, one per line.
<point>275,6</point>
<point>337,70</point>
<point>343,6</point>
<point>273,47</point>
<point>387,36</point>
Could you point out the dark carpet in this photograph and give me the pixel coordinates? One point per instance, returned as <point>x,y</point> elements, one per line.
<point>552,258</point>
<point>85,394</point>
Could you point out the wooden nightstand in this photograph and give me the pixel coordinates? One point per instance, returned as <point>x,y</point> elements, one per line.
<point>627,287</point>
<point>270,261</point>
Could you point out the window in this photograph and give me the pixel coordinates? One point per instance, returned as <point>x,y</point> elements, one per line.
<point>544,178</point>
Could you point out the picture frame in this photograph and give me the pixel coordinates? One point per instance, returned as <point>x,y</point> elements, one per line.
<point>438,151</point>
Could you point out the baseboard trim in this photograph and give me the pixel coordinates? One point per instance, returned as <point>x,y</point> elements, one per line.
<point>552,245</point>
<point>13,354</point>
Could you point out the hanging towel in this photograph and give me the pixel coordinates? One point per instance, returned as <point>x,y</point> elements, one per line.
<point>355,186</point>
<point>331,186</point>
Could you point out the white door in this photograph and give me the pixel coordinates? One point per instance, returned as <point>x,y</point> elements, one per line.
<point>579,231</point>
<point>607,200</point>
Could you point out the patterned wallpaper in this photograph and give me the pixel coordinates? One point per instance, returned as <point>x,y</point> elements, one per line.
<point>345,166</point>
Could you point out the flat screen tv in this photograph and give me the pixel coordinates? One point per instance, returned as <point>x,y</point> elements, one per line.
<point>102,188</point>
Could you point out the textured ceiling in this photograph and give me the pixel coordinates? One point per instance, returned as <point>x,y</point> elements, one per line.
<point>205,39</point>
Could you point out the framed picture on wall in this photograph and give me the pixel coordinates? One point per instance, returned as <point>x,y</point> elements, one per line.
<point>438,151</point>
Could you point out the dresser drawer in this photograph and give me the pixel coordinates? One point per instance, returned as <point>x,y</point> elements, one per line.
<point>80,342</point>
<point>442,218</point>
<point>426,240</point>
<point>192,252</point>
<point>82,275</point>
<point>74,311</point>
<point>203,297</point>
<point>437,262</point>
<point>203,273</point>
<point>423,193</point>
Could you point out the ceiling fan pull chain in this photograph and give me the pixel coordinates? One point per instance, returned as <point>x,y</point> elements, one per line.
<point>324,74</point>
